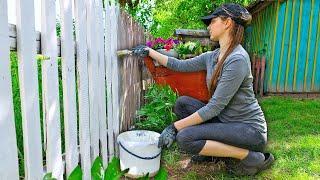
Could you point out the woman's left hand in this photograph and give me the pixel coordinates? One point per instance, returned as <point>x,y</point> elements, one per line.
<point>167,136</point>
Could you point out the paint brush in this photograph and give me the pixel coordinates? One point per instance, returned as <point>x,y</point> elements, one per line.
<point>124,52</point>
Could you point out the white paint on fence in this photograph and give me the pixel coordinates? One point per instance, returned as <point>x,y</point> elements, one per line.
<point>115,72</point>
<point>28,79</point>
<point>97,40</point>
<point>69,88</point>
<point>8,151</point>
<point>93,77</point>
<point>108,62</point>
<point>82,84</point>
<point>102,83</point>
<point>50,85</point>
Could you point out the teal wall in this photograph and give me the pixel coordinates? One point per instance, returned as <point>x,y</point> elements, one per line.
<point>288,34</point>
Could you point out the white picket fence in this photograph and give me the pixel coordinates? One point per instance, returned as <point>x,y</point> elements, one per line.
<point>95,67</point>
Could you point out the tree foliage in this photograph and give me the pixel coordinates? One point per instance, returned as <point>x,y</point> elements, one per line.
<point>162,17</point>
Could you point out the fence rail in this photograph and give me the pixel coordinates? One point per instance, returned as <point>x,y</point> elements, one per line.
<point>100,93</point>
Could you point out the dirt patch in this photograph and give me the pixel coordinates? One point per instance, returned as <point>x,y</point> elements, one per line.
<point>185,166</point>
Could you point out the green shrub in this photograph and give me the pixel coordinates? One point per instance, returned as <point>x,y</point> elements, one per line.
<point>162,17</point>
<point>112,172</point>
<point>157,113</point>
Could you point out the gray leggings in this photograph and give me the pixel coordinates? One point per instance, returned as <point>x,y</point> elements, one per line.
<point>193,138</point>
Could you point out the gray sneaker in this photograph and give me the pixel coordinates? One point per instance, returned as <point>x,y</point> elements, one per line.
<point>241,169</point>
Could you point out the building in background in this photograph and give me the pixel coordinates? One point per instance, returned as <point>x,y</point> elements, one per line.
<point>287,32</point>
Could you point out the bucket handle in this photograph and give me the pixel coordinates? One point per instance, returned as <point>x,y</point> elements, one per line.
<point>146,158</point>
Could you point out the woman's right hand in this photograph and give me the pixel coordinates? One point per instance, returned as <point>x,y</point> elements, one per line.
<point>141,50</point>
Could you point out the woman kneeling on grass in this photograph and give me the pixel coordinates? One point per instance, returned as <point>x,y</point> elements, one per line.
<point>232,123</point>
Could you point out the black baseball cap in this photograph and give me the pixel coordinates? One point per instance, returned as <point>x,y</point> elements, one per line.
<point>235,11</point>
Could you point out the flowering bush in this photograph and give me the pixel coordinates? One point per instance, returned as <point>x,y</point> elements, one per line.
<point>160,43</point>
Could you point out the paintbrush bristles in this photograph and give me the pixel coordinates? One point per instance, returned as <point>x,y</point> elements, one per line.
<point>124,52</point>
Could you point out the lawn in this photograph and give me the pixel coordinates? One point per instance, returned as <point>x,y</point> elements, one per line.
<point>293,138</point>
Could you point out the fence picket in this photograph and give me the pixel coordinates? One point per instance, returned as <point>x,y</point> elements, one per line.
<point>102,89</point>
<point>83,91</point>
<point>93,76</point>
<point>69,90</point>
<point>8,151</point>
<point>115,72</point>
<point>50,86</point>
<point>28,79</point>
<point>108,61</point>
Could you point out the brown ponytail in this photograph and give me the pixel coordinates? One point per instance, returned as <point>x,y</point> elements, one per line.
<point>236,38</point>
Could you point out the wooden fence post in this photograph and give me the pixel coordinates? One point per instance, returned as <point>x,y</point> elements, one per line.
<point>102,82</point>
<point>93,78</point>
<point>69,86</point>
<point>8,151</point>
<point>263,66</point>
<point>28,79</point>
<point>108,61</point>
<point>257,71</point>
<point>50,85</point>
<point>83,90</point>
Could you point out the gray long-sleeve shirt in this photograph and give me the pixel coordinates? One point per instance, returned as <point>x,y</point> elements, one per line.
<point>233,99</point>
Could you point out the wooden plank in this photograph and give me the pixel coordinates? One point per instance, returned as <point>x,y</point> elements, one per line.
<point>263,66</point>
<point>102,82</point>
<point>257,75</point>
<point>314,37</point>
<point>115,10</point>
<point>108,62</point>
<point>93,74</point>
<point>316,65</point>
<point>28,79</point>
<point>294,42</point>
<point>69,88</point>
<point>50,86</point>
<point>190,32</point>
<point>13,41</point>
<point>8,155</point>
<point>83,91</point>
<point>302,58</point>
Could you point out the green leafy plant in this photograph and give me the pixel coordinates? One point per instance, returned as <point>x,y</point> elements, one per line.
<point>190,49</point>
<point>112,172</point>
<point>161,18</point>
<point>157,113</point>
<point>76,174</point>
<point>48,176</point>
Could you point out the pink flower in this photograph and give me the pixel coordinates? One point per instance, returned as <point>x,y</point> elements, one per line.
<point>168,46</point>
<point>150,44</point>
<point>160,41</point>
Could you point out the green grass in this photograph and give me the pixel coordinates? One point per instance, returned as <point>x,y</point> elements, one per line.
<point>293,138</point>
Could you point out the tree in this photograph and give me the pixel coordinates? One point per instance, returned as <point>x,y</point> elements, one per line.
<point>162,17</point>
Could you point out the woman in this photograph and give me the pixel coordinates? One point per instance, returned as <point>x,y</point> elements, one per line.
<point>232,123</point>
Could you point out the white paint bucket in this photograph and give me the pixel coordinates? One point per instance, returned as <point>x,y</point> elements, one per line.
<point>139,152</point>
